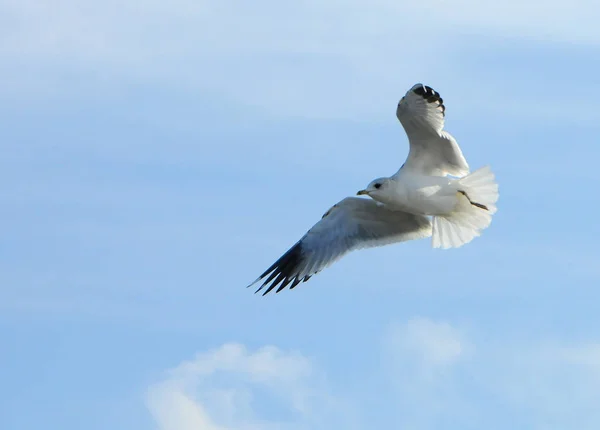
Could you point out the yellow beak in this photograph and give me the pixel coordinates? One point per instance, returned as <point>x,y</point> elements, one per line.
<point>361,192</point>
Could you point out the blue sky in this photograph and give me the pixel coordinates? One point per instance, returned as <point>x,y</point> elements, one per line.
<point>157,157</point>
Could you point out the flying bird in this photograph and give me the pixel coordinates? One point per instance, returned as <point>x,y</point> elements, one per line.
<point>432,194</point>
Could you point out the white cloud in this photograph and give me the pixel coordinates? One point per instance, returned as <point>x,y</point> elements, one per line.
<point>175,410</point>
<point>309,58</point>
<point>434,344</point>
<point>422,359</point>
<point>231,388</point>
<point>556,385</point>
<point>441,375</point>
<point>557,21</point>
<point>128,31</point>
<point>436,376</point>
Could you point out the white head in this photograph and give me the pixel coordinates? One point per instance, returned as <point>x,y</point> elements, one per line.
<point>378,189</point>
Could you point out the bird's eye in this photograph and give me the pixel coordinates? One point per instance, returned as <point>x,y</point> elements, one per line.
<point>378,186</point>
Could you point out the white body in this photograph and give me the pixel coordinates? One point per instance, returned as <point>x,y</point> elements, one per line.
<point>461,208</point>
<point>419,194</point>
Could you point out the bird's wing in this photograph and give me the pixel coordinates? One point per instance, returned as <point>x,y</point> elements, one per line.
<point>432,151</point>
<point>351,224</point>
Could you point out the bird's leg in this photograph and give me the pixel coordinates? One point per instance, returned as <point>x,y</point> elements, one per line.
<point>479,205</point>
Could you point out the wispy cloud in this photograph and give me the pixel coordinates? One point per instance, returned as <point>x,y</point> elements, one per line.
<point>312,59</point>
<point>231,388</point>
<point>434,344</point>
<point>438,374</point>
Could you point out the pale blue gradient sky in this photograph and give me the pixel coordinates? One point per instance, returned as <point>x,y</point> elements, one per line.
<point>156,158</point>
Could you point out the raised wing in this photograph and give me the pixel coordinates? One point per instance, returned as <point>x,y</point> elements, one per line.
<point>432,151</point>
<point>351,224</point>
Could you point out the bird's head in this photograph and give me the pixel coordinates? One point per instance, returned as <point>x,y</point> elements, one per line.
<point>377,188</point>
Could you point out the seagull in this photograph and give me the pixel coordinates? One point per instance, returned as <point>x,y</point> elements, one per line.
<point>433,194</point>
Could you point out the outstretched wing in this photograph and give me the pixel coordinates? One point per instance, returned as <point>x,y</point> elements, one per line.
<point>432,151</point>
<point>351,224</point>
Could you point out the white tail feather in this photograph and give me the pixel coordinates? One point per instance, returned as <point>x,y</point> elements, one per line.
<point>477,195</point>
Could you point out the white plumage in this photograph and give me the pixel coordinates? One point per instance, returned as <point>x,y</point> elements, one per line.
<point>433,151</point>
<point>420,200</point>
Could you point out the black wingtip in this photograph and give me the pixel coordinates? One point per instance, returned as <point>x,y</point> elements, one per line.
<point>430,96</point>
<point>284,271</point>
<point>419,90</point>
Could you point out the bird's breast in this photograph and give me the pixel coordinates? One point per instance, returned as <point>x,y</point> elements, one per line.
<point>425,197</point>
